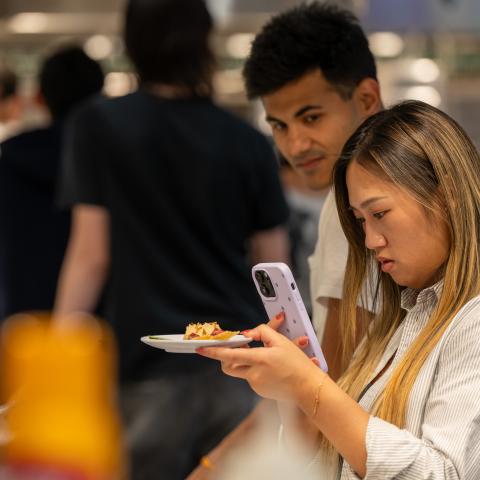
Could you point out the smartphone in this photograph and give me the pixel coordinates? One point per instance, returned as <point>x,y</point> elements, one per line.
<point>279,293</point>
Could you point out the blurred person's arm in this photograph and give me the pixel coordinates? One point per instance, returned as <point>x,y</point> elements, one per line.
<point>270,246</point>
<point>86,263</point>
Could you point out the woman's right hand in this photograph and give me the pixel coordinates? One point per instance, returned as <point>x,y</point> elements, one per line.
<point>276,371</point>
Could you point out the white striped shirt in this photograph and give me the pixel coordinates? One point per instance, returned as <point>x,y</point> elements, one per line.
<point>441,437</point>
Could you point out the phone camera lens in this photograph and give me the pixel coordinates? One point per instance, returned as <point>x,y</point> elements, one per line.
<point>264,283</point>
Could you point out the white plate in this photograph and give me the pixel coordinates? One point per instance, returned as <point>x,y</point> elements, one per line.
<point>176,343</point>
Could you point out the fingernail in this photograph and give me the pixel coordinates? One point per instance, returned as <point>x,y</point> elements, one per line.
<point>303,342</point>
<point>279,316</point>
<point>244,332</point>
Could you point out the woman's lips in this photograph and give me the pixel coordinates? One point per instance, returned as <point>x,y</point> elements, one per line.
<point>387,265</point>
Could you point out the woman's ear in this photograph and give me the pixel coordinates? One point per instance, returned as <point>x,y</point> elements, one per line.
<point>367,97</point>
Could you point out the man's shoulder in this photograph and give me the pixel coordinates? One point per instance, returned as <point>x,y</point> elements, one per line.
<point>331,243</point>
<point>329,215</point>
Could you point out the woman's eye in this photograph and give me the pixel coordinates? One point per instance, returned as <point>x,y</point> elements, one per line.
<point>379,215</point>
<point>360,221</point>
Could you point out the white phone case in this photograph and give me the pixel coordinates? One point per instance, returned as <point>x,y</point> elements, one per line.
<point>286,297</point>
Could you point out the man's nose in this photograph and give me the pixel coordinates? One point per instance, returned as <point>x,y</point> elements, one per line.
<point>298,142</point>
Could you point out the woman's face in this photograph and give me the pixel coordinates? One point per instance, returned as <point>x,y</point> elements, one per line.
<point>410,245</point>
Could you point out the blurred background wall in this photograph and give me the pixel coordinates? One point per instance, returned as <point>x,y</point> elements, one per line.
<point>426,49</point>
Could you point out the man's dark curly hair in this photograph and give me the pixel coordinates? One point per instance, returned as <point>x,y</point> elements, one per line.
<point>304,38</point>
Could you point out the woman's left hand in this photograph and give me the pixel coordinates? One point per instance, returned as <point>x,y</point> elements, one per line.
<point>277,371</point>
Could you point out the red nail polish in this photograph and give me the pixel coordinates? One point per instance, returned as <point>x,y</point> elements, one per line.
<point>304,342</point>
<point>244,332</point>
<point>279,316</point>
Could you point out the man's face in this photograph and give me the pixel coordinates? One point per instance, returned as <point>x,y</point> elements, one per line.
<point>310,123</point>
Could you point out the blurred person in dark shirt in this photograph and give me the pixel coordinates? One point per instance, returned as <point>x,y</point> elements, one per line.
<point>33,232</point>
<point>173,200</point>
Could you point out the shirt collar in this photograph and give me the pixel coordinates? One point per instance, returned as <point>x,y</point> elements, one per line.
<point>427,297</point>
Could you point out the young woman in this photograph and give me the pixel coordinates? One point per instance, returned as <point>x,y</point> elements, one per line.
<point>408,406</point>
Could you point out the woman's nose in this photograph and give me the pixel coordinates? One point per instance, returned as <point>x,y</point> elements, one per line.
<point>374,239</point>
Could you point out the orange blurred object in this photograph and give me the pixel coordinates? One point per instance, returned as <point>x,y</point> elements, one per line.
<point>63,421</point>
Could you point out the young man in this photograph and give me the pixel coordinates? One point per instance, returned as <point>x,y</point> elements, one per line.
<point>316,77</point>
<point>172,197</point>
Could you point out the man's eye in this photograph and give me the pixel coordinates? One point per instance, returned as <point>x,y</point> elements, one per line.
<point>278,127</point>
<point>311,118</point>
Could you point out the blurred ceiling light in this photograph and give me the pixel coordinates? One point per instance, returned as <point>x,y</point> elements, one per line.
<point>63,23</point>
<point>119,83</point>
<point>98,47</point>
<point>28,22</point>
<point>238,45</point>
<point>424,70</point>
<point>386,44</point>
<point>425,93</point>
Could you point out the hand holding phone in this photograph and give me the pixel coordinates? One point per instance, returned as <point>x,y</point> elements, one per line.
<point>279,293</point>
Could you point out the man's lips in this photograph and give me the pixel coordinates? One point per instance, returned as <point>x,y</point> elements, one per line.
<point>386,264</point>
<point>310,163</point>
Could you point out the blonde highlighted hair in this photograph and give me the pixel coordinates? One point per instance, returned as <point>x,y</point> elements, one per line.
<point>426,153</point>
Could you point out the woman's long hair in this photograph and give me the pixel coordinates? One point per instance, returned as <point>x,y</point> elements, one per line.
<point>427,154</point>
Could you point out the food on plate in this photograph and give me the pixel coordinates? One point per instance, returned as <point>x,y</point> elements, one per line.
<point>207,331</point>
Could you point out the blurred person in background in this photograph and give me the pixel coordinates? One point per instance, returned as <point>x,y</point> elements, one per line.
<point>9,103</point>
<point>173,200</point>
<point>313,71</point>
<point>33,232</point>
